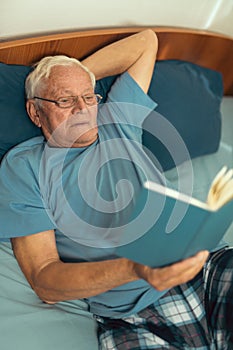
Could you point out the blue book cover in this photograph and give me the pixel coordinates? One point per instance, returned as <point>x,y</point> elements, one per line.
<point>167,226</point>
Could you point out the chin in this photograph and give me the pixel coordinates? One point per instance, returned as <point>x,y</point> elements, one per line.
<point>86,139</point>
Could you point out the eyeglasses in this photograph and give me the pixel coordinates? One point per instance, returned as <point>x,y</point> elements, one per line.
<point>69,101</point>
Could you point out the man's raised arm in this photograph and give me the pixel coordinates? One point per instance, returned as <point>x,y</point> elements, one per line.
<point>135,54</point>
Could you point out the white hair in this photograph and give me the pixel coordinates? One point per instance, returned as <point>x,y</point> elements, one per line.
<point>42,70</point>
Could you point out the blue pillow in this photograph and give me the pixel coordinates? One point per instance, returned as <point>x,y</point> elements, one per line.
<point>15,125</point>
<point>188,95</point>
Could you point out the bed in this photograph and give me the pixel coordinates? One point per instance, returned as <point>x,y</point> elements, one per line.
<point>193,86</point>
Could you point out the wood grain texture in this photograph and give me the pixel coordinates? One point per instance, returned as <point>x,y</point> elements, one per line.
<point>204,48</point>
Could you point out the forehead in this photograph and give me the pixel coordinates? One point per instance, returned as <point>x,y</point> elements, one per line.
<point>68,78</point>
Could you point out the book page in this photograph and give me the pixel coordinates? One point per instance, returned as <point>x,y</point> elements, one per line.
<point>221,190</point>
<point>175,194</point>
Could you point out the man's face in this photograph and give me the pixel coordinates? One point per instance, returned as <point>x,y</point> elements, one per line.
<point>75,126</point>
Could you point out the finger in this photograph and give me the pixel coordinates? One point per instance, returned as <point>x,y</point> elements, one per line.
<point>178,273</point>
<point>180,278</point>
<point>186,264</point>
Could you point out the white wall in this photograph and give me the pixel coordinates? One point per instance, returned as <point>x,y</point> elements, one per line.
<point>26,17</point>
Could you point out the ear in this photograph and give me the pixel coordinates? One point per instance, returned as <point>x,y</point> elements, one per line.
<point>33,113</point>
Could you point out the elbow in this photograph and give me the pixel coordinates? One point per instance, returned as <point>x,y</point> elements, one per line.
<point>44,285</point>
<point>151,40</point>
<point>150,35</point>
<point>44,295</point>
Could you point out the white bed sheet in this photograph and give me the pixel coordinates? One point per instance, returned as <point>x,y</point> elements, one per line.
<point>26,323</point>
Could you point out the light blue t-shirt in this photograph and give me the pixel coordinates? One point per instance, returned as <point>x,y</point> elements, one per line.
<point>85,194</point>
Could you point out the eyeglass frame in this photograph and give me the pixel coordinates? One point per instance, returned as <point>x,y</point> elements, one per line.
<point>75,100</point>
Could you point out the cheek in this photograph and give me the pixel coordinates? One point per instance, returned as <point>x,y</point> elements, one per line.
<point>92,112</point>
<point>50,122</point>
<point>54,116</point>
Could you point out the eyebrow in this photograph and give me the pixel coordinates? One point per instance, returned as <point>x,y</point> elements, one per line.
<point>69,92</point>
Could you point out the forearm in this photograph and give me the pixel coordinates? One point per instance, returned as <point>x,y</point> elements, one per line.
<point>65,281</point>
<point>54,280</point>
<point>121,55</point>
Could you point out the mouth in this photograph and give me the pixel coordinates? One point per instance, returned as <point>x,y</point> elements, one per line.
<point>80,120</point>
<point>81,128</point>
<point>79,123</point>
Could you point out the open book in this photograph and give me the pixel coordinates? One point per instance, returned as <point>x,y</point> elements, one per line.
<point>183,226</point>
<point>220,192</point>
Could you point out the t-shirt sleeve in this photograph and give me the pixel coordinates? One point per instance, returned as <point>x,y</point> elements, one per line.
<point>126,107</point>
<point>22,209</point>
<point>128,95</point>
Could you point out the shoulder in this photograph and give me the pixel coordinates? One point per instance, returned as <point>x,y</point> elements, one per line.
<point>23,158</point>
<point>26,149</point>
<point>122,88</point>
<point>126,89</point>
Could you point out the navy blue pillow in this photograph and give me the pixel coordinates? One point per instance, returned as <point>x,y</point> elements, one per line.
<point>15,125</point>
<point>188,96</point>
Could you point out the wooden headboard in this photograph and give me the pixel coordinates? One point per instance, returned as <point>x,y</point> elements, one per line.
<point>207,49</point>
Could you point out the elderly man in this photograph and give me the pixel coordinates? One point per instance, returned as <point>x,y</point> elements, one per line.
<point>64,201</point>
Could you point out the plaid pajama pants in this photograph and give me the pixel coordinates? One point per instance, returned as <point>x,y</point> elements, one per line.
<point>195,315</point>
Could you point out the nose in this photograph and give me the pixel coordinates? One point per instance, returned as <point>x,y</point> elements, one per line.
<point>79,104</point>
